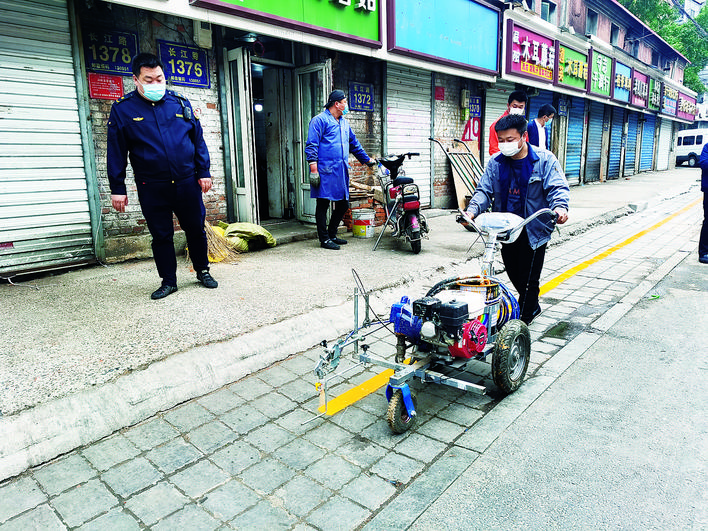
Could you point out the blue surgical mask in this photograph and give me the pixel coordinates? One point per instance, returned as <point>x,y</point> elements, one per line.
<point>154,91</point>
<point>345,110</point>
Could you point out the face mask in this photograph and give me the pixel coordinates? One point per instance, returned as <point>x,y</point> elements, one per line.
<point>548,122</point>
<point>154,91</point>
<point>509,149</point>
<point>345,110</point>
<point>516,110</point>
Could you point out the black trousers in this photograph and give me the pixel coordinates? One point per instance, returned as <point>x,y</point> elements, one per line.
<point>327,231</point>
<point>703,241</point>
<point>523,265</point>
<point>158,202</point>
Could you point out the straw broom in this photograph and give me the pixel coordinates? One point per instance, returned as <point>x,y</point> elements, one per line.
<point>218,248</point>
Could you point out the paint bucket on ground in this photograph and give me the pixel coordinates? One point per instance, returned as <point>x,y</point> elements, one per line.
<point>363,223</point>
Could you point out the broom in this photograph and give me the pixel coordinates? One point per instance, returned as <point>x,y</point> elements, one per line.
<point>219,248</point>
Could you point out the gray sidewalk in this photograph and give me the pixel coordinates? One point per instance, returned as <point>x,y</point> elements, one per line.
<point>86,352</point>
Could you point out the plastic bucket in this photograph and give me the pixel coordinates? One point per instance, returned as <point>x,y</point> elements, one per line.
<point>363,223</point>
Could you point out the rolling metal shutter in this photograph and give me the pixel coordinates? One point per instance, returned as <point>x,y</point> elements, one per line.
<point>495,101</point>
<point>630,151</point>
<point>574,140</point>
<point>613,170</point>
<point>44,208</point>
<point>662,152</point>
<point>646,158</point>
<point>408,122</point>
<point>544,97</point>
<point>593,152</point>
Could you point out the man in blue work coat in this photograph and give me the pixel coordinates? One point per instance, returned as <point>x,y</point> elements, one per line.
<point>522,180</point>
<point>330,139</point>
<point>703,240</point>
<point>170,161</point>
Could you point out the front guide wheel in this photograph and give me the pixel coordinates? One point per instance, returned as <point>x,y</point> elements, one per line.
<point>510,359</point>
<point>397,414</point>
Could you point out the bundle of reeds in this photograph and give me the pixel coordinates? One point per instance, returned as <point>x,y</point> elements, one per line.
<point>219,248</point>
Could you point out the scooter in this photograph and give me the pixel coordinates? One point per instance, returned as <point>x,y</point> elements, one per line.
<point>401,202</point>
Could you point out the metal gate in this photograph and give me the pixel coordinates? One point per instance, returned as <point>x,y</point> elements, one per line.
<point>664,149</point>
<point>574,141</point>
<point>495,101</point>
<point>408,122</point>
<point>613,170</point>
<point>646,157</point>
<point>44,207</point>
<point>593,152</point>
<point>630,151</point>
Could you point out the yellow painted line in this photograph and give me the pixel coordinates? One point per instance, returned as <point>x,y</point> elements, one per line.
<point>372,385</point>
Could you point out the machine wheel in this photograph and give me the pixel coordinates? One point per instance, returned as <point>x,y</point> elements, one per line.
<point>397,414</point>
<point>511,356</point>
<point>692,161</point>
<point>416,242</point>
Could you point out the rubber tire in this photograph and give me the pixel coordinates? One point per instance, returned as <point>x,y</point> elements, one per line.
<point>416,242</point>
<point>692,161</point>
<point>512,352</point>
<point>397,414</point>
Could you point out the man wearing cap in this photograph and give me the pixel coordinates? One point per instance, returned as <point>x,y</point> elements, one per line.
<point>330,139</point>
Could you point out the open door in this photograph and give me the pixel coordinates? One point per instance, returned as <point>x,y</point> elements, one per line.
<point>312,86</point>
<point>242,136</point>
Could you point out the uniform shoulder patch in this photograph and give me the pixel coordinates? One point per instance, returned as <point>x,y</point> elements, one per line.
<point>125,97</point>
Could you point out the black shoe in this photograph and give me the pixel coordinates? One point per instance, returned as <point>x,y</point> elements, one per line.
<point>703,258</point>
<point>339,241</point>
<point>329,244</point>
<point>163,291</point>
<point>528,318</point>
<point>206,279</point>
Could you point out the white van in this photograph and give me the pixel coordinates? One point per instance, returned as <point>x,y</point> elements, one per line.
<point>689,144</point>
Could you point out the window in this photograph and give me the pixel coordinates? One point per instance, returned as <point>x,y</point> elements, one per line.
<point>591,23</point>
<point>699,140</point>
<point>655,58</point>
<point>688,140</point>
<point>548,11</point>
<point>680,140</point>
<point>614,35</point>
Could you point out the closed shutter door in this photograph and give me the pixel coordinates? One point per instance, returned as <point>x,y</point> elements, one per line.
<point>662,153</point>
<point>544,97</point>
<point>44,209</point>
<point>646,160</point>
<point>574,142</point>
<point>495,101</point>
<point>408,120</point>
<point>594,144</point>
<point>613,171</point>
<point>631,149</point>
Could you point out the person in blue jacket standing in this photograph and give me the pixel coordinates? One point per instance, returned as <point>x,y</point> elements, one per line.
<point>703,241</point>
<point>539,128</point>
<point>522,180</point>
<point>330,139</point>
<point>170,161</point>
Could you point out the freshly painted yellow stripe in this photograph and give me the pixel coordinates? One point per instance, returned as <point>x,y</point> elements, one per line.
<point>374,384</point>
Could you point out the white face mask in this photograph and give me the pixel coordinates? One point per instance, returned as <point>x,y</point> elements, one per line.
<point>154,91</point>
<point>516,110</point>
<point>509,149</point>
<point>548,122</point>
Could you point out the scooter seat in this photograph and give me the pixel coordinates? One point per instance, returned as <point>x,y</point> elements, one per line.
<point>398,181</point>
<point>410,198</point>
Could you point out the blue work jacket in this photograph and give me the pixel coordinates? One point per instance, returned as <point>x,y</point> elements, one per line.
<point>535,132</point>
<point>547,188</point>
<point>704,169</point>
<point>329,142</point>
<point>162,145</point>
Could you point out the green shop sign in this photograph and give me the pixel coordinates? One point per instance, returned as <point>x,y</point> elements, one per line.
<point>654,95</point>
<point>354,21</point>
<point>572,68</point>
<point>600,73</point>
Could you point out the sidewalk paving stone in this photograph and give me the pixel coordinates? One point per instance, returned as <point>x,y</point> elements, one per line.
<point>210,437</point>
<point>332,471</point>
<point>114,520</point>
<point>300,495</point>
<point>230,499</point>
<point>346,513</point>
<point>244,418</point>
<point>265,517</point>
<point>42,518</point>
<point>299,454</point>
<point>199,478</point>
<point>267,475</point>
<point>188,416</point>
<point>64,473</point>
<point>156,503</point>
<point>173,455</point>
<point>270,437</point>
<point>84,502</point>
<point>151,433</point>
<point>109,452</point>
<point>191,517</point>
<point>369,491</point>
<point>131,477</point>
<point>221,401</point>
<point>19,496</point>
<point>236,457</point>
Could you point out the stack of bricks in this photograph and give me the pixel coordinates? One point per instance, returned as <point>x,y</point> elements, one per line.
<point>367,203</point>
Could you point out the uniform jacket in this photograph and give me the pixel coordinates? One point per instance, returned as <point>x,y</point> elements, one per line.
<point>329,142</point>
<point>162,145</point>
<point>534,132</point>
<point>704,169</point>
<point>547,188</point>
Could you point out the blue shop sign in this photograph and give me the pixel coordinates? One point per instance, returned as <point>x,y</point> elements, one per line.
<point>475,107</point>
<point>361,97</point>
<point>110,52</point>
<point>185,65</point>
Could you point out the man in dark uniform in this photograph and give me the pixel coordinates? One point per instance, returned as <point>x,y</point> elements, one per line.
<point>170,161</point>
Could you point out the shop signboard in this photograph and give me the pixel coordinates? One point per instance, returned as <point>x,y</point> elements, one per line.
<point>654,102</point>
<point>350,20</point>
<point>640,89</point>
<point>530,54</point>
<point>600,73</point>
<point>572,68</point>
<point>440,31</point>
<point>184,65</point>
<point>361,97</point>
<point>686,107</point>
<point>110,52</point>
<point>622,82</point>
<point>669,100</point>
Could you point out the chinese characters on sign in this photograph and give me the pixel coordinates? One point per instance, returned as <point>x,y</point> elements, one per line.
<point>366,5</point>
<point>601,73</point>
<point>622,82</point>
<point>361,97</point>
<point>668,105</point>
<point>531,54</point>
<point>185,65</point>
<point>654,95</point>
<point>686,107</point>
<point>105,86</point>
<point>572,68</point>
<point>110,52</point>
<point>640,89</point>
<point>476,107</point>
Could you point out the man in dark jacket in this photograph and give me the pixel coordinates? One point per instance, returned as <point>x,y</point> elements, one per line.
<point>170,161</point>
<point>539,128</point>
<point>703,241</point>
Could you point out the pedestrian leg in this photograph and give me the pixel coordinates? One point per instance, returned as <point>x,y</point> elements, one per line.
<point>189,209</point>
<point>340,208</point>
<point>321,219</point>
<point>156,207</point>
